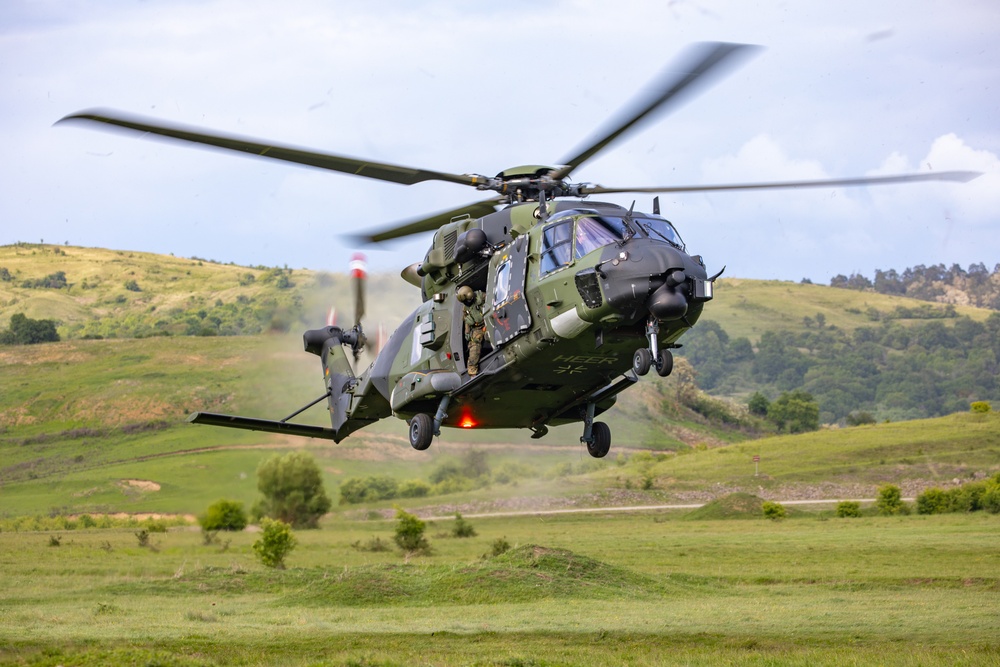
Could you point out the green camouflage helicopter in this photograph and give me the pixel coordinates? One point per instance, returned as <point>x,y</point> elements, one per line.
<point>579,298</point>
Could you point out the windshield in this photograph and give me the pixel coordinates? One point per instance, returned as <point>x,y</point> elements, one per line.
<point>596,232</point>
<point>660,228</point>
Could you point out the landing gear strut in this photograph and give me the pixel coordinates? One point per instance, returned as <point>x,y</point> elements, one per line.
<point>423,428</point>
<point>646,358</point>
<point>421,431</point>
<point>596,435</point>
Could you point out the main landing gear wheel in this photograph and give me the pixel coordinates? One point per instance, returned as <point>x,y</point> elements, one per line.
<point>600,443</point>
<point>421,431</point>
<point>664,363</point>
<point>641,361</point>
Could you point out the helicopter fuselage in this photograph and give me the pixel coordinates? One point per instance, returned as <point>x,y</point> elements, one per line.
<point>570,296</point>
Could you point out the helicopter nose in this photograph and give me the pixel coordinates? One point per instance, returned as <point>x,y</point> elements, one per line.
<point>668,302</point>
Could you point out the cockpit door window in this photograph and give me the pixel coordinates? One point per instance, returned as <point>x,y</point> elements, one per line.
<point>502,290</point>
<point>557,246</point>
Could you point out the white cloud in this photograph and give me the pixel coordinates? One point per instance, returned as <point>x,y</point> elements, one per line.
<point>480,88</point>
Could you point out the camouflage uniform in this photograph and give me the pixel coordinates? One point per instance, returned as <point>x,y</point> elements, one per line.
<point>475,325</point>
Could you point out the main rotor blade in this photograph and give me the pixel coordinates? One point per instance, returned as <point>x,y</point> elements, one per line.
<point>704,61</point>
<point>432,222</point>
<point>955,176</point>
<point>342,163</point>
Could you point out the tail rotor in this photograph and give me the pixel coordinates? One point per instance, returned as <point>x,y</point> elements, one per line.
<point>359,275</point>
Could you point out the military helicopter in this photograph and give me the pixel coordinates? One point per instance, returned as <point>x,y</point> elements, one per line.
<point>579,298</point>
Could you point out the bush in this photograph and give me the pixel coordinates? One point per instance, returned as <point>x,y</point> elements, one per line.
<point>414,488</point>
<point>410,533</point>
<point>369,489</point>
<point>774,511</point>
<point>275,543</point>
<point>500,545</point>
<point>848,509</point>
<point>890,501</point>
<point>934,501</point>
<point>223,515</point>
<point>990,500</point>
<point>462,528</point>
<point>374,545</point>
<point>452,485</point>
<point>293,491</point>
<point>859,418</point>
<point>26,331</point>
<point>758,404</point>
<point>980,406</point>
<point>795,412</point>
<point>968,497</point>
<point>155,525</point>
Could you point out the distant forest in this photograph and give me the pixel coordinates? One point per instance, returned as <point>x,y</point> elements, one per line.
<point>890,370</point>
<point>976,286</point>
<point>912,362</point>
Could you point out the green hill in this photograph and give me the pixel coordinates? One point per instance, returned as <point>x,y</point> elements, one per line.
<point>749,308</point>
<point>98,425</point>
<point>98,293</point>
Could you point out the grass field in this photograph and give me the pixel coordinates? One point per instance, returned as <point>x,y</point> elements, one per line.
<point>640,589</point>
<point>97,426</point>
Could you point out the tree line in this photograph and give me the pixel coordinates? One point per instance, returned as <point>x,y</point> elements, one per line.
<point>980,286</point>
<point>889,370</point>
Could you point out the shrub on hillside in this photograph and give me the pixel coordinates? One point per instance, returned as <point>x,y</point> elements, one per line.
<point>414,488</point>
<point>758,404</point>
<point>223,515</point>
<point>55,280</point>
<point>980,406</point>
<point>890,501</point>
<point>774,511</point>
<point>859,418</point>
<point>848,509</point>
<point>275,543</point>
<point>991,495</point>
<point>462,528</point>
<point>795,412</point>
<point>25,331</point>
<point>968,497</point>
<point>410,533</point>
<point>368,489</point>
<point>934,501</point>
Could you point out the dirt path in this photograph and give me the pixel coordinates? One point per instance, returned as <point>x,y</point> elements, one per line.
<point>638,508</point>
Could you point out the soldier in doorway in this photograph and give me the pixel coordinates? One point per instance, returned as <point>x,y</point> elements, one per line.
<point>475,325</point>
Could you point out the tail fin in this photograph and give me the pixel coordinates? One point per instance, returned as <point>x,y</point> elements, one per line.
<point>328,344</point>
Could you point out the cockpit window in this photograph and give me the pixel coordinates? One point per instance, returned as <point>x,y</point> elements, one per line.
<point>597,232</point>
<point>557,246</point>
<point>660,228</point>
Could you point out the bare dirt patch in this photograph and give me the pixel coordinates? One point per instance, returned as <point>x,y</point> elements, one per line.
<point>141,484</point>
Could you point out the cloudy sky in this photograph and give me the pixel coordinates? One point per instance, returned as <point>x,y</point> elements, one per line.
<point>842,88</point>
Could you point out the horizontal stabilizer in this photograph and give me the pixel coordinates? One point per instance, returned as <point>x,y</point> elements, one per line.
<point>268,425</point>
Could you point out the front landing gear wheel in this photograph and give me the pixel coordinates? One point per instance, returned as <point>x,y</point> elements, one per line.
<point>641,361</point>
<point>600,443</point>
<point>665,363</point>
<point>421,431</point>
